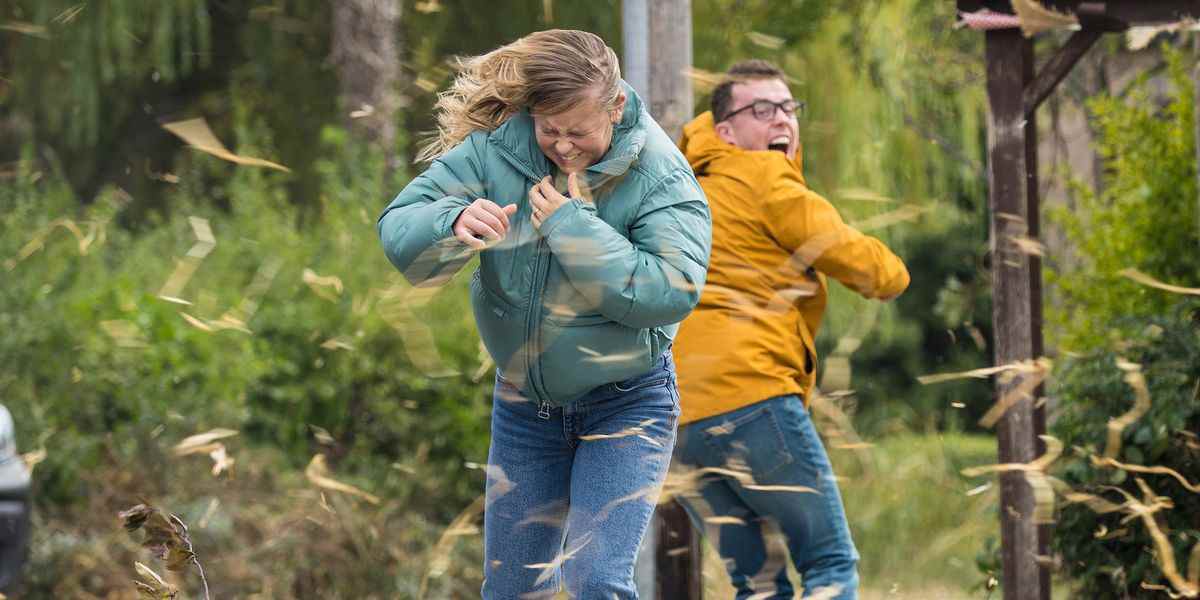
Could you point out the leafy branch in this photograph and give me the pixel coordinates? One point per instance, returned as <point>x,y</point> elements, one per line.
<point>166,536</point>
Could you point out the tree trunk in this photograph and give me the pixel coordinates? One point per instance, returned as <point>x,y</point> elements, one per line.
<point>365,54</point>
<point>670,30</point>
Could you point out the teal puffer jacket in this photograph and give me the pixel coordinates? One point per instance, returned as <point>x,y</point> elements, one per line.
<point>596,295</point>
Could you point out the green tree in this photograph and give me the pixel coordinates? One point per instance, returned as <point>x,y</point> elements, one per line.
<point>1143,218</point>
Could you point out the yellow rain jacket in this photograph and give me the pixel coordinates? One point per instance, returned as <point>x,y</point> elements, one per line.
<point>773,242</point>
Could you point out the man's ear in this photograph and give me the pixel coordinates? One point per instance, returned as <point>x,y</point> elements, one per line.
<point>618,109</point>
<point>725,132</point>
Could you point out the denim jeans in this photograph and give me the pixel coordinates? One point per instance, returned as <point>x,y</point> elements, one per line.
<point>769,443</point>
<point>569,497</point>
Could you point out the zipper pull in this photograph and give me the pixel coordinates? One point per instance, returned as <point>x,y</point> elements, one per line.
<point>544,411</point>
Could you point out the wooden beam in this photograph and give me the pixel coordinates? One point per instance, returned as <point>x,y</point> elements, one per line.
<point>1124,12</point>
<point>1057,68</point>
<point>1131,12</point>
<point>679,555</point>
<point>1016,290</point>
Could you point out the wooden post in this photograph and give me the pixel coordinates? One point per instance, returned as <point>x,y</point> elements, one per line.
<point>1016,292</point>
<point>657,39</point>
<point>678,557</point>
<point>1196,99</point>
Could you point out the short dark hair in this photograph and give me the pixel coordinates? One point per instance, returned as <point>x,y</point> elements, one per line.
<point>746,70</point>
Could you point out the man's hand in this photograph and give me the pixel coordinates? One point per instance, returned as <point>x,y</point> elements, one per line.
<point>545,199</point>
<point>483,223</point>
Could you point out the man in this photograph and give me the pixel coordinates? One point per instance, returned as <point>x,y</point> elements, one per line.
<point>746,358</point>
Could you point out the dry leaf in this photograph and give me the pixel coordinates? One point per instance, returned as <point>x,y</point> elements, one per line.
<point>328,287</point>
<point>317,471</point>
<point>152,585</point>
<point>201,442</point>
<point>31,459</point>
<point>197,135</point>
<point>1036,18</point>
<point>1147,280</point>
<point>1135,379</point>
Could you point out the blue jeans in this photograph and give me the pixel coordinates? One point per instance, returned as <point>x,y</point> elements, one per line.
<point>569,497</point>
<point>769,443</point>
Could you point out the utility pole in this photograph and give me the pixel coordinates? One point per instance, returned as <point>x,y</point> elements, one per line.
<point>657,38</point>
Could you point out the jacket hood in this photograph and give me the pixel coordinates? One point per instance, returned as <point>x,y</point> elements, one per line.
<point>705,150</point>
<point>516,137</point>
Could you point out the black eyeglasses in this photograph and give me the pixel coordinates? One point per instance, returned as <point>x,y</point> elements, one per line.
<point>764,110</point>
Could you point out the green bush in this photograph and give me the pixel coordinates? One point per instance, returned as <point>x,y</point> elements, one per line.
<point>1092,391</point>
<point>1145,217</point>
<point>102,372</point>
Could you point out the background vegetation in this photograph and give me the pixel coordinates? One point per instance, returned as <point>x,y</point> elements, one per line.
<point>298,335</point>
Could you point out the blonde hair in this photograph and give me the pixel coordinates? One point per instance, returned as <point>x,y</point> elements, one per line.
<point>547,72</point>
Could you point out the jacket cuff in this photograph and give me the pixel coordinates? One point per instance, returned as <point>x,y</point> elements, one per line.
<point>564,212</point>
<point>444,224</point>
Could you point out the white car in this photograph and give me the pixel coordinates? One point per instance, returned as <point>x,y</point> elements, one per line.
<point>14,505</point>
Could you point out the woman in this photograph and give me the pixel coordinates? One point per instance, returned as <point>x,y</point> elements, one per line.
<point>593,240</point>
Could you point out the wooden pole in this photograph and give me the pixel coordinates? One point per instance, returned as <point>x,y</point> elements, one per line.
<point>1016,292</point>
<point>678,557</point>
<point>657,38</point>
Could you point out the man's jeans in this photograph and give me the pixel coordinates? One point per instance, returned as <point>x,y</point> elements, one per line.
<point>569,497</point>
<point>770,443</point>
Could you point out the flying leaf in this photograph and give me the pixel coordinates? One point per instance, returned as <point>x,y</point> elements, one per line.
<point>317,473</point>
<point>197,134</point>
<point>152,585</point>
<point>201,441</point>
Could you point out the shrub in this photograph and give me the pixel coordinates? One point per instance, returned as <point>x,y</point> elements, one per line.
<point>1145,217</point>
<point>1107,555</point>
<point>101,371</point>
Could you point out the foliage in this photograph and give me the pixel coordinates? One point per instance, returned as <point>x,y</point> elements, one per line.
<point>1107,555</point>
<point>265,532</point>
<point>99,369</point>
<point>895,121</point>
<point>907,493</point>
<point>1145,217</point>
<point>941,324</point>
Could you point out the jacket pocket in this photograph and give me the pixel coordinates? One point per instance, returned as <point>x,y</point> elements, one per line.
<point>502,329</point>
<point>582,353</point>
<point>810,348</point>
<point>640,383</point>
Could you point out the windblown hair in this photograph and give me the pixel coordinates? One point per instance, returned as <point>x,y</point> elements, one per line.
<point>547,72</point>
<point>746,70</point>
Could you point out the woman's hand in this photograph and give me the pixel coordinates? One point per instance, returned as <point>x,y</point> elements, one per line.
<point>483,223</point>
<point>545,199</point>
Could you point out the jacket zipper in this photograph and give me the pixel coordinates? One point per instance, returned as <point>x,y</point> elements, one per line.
<point>533,332</point>
<point>535,303</point>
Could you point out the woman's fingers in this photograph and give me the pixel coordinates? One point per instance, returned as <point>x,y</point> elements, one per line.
<point>573,185</point>
<point>489,224</point>
<point>494,210</point>
<point>547,189</point>
<point>464,235</point>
